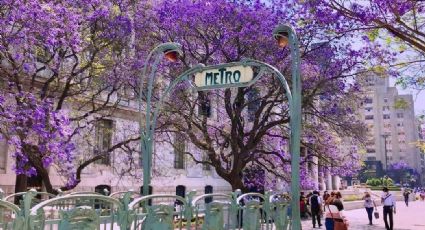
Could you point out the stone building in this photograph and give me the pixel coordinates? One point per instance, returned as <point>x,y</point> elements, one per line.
<point>391,126</point>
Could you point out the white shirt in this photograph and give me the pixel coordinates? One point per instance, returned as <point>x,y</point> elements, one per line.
<point>335,212</point>
<point>368,202</point>
<point>388,199</point>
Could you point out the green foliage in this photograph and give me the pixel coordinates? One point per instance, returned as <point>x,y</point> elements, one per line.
<point>401,104</point>
<point>380,182</point>
<point>373,34</point>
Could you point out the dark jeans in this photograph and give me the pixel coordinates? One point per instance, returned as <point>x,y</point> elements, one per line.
<point>388,211</point>
<point>369,214</point>
<point>315,214</point>
<point>329,224</point>
<point>406,200</point>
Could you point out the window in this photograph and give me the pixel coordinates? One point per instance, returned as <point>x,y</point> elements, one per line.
<point>180,191</point>
<point>253,103</point>
<point>386,108</point>
<point>368,109</point>
<point>369,117</point>
<point>385,100</point>
<point>370,143</point>
<point>125,96</point>
<point>371,158</point>
<point>206,167</point>
<point>386,116</point>
<point>104,190</point>
<point>103,139</point>
<point>368,100</point>
<point>370,150</point>
<point>387,125</point>
<point>204,107</point>
<point>399,115</point>
<point>400,124</point>
<point>208,190</point>
<point>3,155</point>
<point>179,149</point>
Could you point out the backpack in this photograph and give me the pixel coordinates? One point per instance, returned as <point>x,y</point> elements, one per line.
<point>315,202</point>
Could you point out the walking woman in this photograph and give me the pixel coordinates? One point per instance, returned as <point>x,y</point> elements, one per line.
<point>369,204</point>
<point>334,213</point>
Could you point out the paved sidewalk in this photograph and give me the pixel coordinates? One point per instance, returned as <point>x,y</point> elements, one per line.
<point>406,218</point>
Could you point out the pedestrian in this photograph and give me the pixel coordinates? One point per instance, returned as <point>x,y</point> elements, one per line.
<point>334,212</point>
<point>307,202</point>
<point>326,196</point>
<point>303,208</point>
<point>316,207</point>
<point>388,201</point>
<point>369,204</point>
<point>406,194</point>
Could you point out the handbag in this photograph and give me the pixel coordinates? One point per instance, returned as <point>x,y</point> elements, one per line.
<point>376,214</point>
<point>338,222</point>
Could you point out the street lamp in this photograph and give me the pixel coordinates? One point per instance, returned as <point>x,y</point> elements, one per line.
<point>286,35</point>
<point>385,136</point>
<point>171,51</point>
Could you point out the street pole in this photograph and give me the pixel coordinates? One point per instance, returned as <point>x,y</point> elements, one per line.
<point>385,152</point>
<point>285,34</point>
<point>170,50</point>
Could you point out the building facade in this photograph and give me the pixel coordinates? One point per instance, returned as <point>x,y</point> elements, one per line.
<point>391,125</point>
<point>173,172</point>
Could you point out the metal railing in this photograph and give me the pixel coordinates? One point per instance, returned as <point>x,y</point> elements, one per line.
<point>130,211</point>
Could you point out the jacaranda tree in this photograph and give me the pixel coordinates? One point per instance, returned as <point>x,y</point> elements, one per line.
<point>62,65</point>
<point>246,130</point>
<point>394,25</point>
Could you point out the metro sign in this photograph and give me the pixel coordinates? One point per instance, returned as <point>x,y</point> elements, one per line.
<point>224,77</point>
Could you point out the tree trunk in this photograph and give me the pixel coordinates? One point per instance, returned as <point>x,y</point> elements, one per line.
<point>236,183</point>
<point>20,186</point>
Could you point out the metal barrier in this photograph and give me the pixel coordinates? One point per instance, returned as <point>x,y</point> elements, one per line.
<point>128,211</point>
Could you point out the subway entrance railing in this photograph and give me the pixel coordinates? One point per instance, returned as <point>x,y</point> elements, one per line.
<point>128,210</point>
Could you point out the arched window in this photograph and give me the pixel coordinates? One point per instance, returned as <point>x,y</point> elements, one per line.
<point>103,189</point>
<point>208,190</point>
<point>180,191</point>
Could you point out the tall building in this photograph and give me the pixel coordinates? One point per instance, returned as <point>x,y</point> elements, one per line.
<point>391,125</point>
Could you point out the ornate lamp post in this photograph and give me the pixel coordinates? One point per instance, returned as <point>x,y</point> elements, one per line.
<point>170,51</point>
<point>285,35</point>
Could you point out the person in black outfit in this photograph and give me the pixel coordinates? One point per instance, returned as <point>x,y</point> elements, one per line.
<point>406,194</point>
<point>316,207</point>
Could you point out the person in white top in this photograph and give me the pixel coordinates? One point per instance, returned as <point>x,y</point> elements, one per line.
<point>388,201</point>
<point>369,204</point>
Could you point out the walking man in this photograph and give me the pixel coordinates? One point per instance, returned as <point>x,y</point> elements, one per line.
<point>316,207</point>
<point>406,194</point>
<point>388,201</point>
